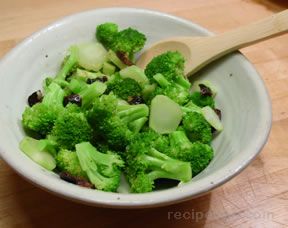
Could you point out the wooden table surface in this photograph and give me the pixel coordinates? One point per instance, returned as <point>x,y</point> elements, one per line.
<point>258,197</point>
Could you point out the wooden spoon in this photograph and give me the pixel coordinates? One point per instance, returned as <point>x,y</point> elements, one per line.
<point>199,51</point>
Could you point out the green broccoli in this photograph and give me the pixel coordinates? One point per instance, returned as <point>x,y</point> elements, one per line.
<point>40,118</point>
<point>202,100</point>
<point>145,163</point>
<point>68,66</point>
<point>174,91</point>
<point>128,41</point>
<point>197,128</point>
<point>171,65</point>
<point>41,151</point>
<point>197,153</point>
<point>70,129</point>
<point>105,33</point>
<point>123,88</point>
<point>103,170</point>
<point>110,120</point>
<point>191,107</point>
<point>67,161</point>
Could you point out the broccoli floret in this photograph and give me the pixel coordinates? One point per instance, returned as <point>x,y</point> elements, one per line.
<point>70,129</point>
<point>124,88</point>
<point>40,118</point>
<point>109,118</point>
<point>201,100</point>
<point>128,41</point>
<point>90,93</point>
<point>197,128</point>
<point>41,151</point>
<point>175,91</point>
<point>105,33</point>
<point>67,161</point>
<point>197,153</point>
<point>145,163</point>
<point>171,65</point>
<point>103,170</point>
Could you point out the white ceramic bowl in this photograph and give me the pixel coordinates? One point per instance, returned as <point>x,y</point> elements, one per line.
<point>242,97</point>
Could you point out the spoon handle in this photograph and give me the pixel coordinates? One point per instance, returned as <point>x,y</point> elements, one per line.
<point>213,47</point>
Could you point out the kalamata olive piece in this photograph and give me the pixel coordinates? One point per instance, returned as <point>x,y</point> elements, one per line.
<point>124,58</point>
<point>205,91</point>
<point>35,98</point>
<point>75,180</point>
<point>134,100</point>
<point>73,98</point>
<point>100,79</point>
<point>68,177</point>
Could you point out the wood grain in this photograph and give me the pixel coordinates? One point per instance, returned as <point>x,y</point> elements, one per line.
<point>258,197</point>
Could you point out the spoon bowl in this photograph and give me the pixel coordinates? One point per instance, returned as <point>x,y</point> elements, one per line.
<point>200,51</point>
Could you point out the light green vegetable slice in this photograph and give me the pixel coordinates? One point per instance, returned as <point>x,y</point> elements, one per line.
<point>165,115</point>
<point>108,68</point>
<point>38,152</point>
<point>91,55</point>
<point>212,118</point>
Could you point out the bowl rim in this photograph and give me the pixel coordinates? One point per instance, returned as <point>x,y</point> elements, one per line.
<point>158,198</point>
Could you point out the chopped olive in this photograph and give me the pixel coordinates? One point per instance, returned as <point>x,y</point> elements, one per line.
<point>73,98</point>
<point>75,180</point>
<point>68,177</point>
<point>124,58</point>
<point>205,91</point>
<point>100,79</point>
<point>134,100</point>
<point>35,98</point>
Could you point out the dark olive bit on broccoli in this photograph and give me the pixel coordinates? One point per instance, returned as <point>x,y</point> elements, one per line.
<point>35,98</point>
<point>99,79</point>
<point>75,180</point>
<point>205,91</point>
<point>134,100</point>
<point>74,99</point>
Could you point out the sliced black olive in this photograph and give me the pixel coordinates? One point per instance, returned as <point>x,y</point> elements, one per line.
<point>75,180</point>
<point>205,91</point>
<point>68,177</point>
<point>100,79</point>
<point>35,98</point>
<point>134,100</point>
<point>73,98</point>
<point>124,58</point>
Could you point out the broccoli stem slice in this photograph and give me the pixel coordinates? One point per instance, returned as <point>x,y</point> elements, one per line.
<point>69,64</point>
<point>103,170</point>
<point>163,166</point>
<point>39,151</point>
<point>129,113</point>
